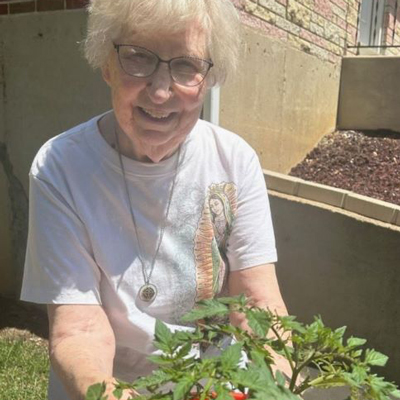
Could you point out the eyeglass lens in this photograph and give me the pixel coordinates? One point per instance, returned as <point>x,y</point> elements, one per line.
<point>141,63</point>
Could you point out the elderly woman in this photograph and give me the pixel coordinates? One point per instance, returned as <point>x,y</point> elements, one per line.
<point>121,227</point>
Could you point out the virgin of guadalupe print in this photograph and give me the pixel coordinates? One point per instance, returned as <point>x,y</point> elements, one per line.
<point>212,234</point>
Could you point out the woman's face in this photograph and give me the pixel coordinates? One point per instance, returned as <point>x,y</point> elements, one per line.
<point>155,113</point>
<point>216,206</point>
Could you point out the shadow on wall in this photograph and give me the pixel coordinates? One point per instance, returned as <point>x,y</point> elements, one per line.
<point>369,93</point>
<point>342,268</point>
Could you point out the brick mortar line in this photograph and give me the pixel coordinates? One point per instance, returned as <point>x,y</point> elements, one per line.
<point>340,51</point>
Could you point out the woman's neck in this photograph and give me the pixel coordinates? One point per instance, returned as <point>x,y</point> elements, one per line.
<point>109,130</point>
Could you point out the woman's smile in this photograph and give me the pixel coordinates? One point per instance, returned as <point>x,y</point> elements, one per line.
<point>157,114</point>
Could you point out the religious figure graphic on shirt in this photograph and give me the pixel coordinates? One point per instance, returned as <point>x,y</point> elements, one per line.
<point>214,228</point>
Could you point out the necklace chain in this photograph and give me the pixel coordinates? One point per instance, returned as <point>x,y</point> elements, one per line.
<point>148,291</point>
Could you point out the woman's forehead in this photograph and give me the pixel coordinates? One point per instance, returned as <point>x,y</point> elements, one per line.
<point>191,40</point>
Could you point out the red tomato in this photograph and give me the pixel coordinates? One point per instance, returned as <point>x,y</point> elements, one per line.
<point>235,395</point>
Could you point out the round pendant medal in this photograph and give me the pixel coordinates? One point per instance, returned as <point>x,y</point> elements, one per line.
<point>148,292</point>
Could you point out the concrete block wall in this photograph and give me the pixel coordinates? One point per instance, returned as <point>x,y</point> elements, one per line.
<point>369,93</point>
<point>56,92</point>
<point>282,100</point>
<point>342,266</point>
<point>338,257</point>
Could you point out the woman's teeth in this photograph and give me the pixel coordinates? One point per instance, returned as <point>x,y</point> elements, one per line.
<point>156,114</point>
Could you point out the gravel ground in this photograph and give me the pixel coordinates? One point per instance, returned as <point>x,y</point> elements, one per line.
<point>367,163</point>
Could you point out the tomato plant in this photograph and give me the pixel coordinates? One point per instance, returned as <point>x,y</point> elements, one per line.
<point>336,360</point>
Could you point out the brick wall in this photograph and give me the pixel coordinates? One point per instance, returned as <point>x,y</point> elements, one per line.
<point>391,27</point>
<point>24,6</point>
<point>319,27</point>
<point>323,28</point>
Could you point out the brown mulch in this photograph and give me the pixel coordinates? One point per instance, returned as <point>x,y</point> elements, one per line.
<point>367,163</point>
<point>23,320</point>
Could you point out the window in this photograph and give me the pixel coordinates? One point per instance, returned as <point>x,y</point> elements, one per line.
<point>370,24</point>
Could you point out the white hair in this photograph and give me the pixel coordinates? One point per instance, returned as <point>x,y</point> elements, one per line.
<point>110,19</point>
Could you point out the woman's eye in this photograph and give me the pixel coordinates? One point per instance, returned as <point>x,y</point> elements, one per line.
<point>139,57</point>
<point>185,65</point>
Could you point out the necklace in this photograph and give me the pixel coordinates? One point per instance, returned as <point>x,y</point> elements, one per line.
<point>148,291</point>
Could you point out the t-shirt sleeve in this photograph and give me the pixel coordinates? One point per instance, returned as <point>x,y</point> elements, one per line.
<point>59,264</point>
<point>252,240</point>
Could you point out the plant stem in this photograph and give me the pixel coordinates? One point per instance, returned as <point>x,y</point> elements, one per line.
<point>207,388</point>
<point>297,370</point>
<point>287,354</point>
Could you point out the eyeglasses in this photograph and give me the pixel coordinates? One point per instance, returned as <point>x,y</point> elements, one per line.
<point>142,63</point>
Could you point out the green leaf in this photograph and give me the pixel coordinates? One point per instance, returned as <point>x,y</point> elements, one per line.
<point>340,331</point>
<point>280,379</point>
<point>260,358</point>
<point>160,360</point>
<point>184,350</point>
<point>156,378</point>
<point>259,322</point>
<point>231,356</point>
<point>235,300</point>
<point>163,347</point>
<point>289,323</point>
<point>117,393</point>
<point>248,378</point>
<point>182,388</point>
<point>395,393</point>
<point>373,357</point>
<point>222,392</point>
<point>206,309</point>
<point>359,374</point>
<point>380,386</point>
<point>162,333</point>
<point>355,342</point>
<point>223,395</point>
<point>96,391</point>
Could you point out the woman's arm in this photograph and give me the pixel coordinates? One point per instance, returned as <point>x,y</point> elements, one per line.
<point>82,347</point>
<point>261,287</point>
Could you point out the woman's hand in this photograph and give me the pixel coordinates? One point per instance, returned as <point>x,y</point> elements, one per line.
<point>127,394</point>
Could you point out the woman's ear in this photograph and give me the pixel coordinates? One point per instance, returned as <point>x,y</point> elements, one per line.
<point>106,73</point>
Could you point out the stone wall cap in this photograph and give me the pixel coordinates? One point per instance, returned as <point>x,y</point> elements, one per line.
<point>340,198</point>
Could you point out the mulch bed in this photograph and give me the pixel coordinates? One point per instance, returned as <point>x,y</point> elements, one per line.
<point>367,163</point>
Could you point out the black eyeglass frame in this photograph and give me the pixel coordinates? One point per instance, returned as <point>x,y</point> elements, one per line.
<point>160,60</point>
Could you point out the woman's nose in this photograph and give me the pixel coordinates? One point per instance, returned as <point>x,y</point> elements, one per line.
<point>159,84</point>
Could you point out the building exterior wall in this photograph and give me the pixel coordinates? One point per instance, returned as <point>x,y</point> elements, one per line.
<point>322,28</point>
<point>284,98</point>
<point>27,6</point>
<point>391,27</point>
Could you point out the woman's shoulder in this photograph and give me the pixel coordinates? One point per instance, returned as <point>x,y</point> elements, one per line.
<point>64,149</point>
<point>223,139</point>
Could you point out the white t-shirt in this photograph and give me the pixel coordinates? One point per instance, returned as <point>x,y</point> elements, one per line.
<point>82,247</point>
